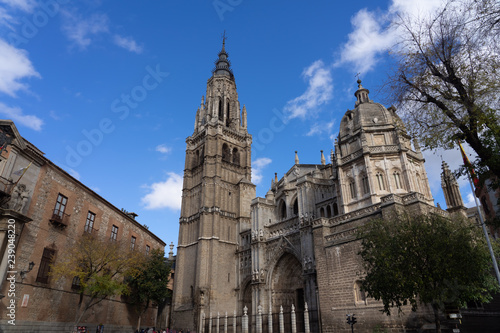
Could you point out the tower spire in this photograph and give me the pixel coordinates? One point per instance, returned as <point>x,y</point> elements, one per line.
<point>222,64</point>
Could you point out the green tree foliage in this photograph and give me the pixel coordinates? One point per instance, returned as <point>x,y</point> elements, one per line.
<point>149,284</point>
<point>98,266</point>
<point>426,259</point>
<point>447,78</point>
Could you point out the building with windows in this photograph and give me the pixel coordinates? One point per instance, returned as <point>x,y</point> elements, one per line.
<point>43,211</point>
<point>296,248</point>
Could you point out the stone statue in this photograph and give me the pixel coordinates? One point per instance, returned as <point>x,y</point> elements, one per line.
<point>20,197</point>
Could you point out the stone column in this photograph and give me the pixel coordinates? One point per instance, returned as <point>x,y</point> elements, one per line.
<point>306,319</point>
<point>294,320</point>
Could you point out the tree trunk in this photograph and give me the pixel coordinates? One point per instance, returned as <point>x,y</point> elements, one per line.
<point>139,323</point>
<point>436,318</point>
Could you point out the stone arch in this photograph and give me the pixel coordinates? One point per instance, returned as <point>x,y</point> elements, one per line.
<point>396,178</point>
<point>328,211</point>
<point>226,152</point>
<point>282,209</point>
<point>246,296</point>
<point>236,156</point>
<point>335,209</point>
<point>286,282</point>
<point>228,114</point>
<point>321,212</point>
<point>296,207</point>
<point>221,110</point>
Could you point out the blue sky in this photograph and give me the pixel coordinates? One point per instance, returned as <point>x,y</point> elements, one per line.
<point>108,90</point>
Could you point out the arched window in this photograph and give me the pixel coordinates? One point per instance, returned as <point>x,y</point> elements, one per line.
<point>359,293</point>
<point>202,155</point>
<point>335,209</point>
<point>397,179</point>
<point>380,181</point>
<point>322,212</point>
<point>365,184</point>
<point>282,210</point>
<point>226,153</point>
<point>236,157</point>
<point>196,161</point>
<point>221,111</point>
<point>295,207</point>
<point>352,189</point>
<point>328,211</point>
<point>228,118</point>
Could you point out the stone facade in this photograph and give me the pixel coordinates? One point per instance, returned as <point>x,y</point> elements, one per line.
<point>297,245</point>
<point>58,210</point>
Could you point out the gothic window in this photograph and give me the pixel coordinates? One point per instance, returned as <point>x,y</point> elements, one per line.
<point>282,210</point>
<point>328,211</point>
<point>380,181</point>
<point>419,189</point>
<point>221,112</point>
<point>228,122</point>
<point>322,212</point>
<point>202,155</point>
<point>295,208</point>
<point>352,189</point>
<point>226,153</point>
<point>236,157</point>
<point>364,183</point>
<point>335,209</point>
<point>397,179</point>
<point>197,158</point>
<point>359,293</point>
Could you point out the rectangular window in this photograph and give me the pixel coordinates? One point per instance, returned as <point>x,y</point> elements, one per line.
<point>60,206</point>
<point>114,232</point>
<point>44,269</point>
<point>147,249</point>
<point>89,223</point>
<point>132,243</point>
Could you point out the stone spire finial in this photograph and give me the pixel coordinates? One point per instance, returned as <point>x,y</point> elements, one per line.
<point>244,117</point>
<point>276,178</point>
<point>323,160</point>
<point>296,158</point>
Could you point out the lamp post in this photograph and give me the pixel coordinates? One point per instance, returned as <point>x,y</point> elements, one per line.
<point>30,268</point>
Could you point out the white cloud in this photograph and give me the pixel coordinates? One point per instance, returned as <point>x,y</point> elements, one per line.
<point>318,92</point>
<point>14,66</point>
<point>163,149</point>
<point>16,114</point>
<point>127,43</point>
<point>25,5</point>
<point>320,128</point>
<point>469,200</point>
<point>80,31</point>
<point>368,40</point>
<point>257,166</point>
<point>374,35</point>
<point>165,194</point>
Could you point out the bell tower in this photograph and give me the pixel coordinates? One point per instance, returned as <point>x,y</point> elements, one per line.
<point>216,196</point>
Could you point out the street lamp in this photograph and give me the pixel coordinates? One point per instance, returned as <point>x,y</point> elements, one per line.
<point>351,320</point>
<point>30,268</point>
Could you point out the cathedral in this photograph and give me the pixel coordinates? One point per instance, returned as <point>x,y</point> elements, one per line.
<point>295,250</point>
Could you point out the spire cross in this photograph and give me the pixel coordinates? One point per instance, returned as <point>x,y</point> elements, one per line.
<point>357,75</point>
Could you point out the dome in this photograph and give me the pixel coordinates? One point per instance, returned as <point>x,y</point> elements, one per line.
<point>367,115</point>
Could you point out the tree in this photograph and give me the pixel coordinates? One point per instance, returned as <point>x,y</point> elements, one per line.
<point>426,259</point>
<point>149,284</point>
<point>447,79</point>
<point>98,266</point>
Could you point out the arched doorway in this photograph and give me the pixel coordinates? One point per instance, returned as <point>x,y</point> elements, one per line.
<point>288,289</point>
